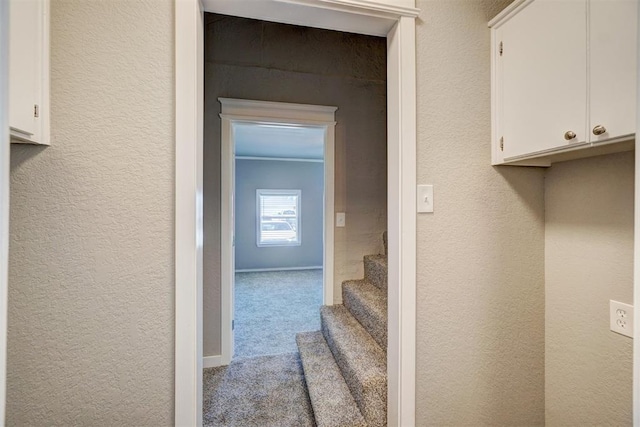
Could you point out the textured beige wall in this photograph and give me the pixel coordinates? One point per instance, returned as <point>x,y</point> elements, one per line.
<point>480,296</point>
<point>250,59</point>
<point>91,317</point>
<point>589,261</point>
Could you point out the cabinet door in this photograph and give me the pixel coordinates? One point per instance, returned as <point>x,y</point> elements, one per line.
<point>543,76</point>
<point>613,56</point>
<point>23,66</point>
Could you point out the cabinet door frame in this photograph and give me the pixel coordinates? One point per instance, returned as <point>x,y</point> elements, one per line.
<point>610,65</point>
<point>620,131</point>
<point>541,93</point>
<point>41,97</point>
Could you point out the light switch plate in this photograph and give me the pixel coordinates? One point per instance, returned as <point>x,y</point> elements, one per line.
<point>425,198</point>
<point>621,318</point>
<point>340,219</point>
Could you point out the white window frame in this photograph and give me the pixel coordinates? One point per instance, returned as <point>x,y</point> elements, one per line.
<point>268,192</point>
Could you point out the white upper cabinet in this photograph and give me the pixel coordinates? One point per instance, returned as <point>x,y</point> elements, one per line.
<point>612,64</point>
<point>29,71</point>
<point>544,77</point>
<point>563,79</point>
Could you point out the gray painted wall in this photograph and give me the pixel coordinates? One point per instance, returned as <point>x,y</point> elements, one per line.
<point>274,62</point>
<point>588,261</point>
<point>279,175</point>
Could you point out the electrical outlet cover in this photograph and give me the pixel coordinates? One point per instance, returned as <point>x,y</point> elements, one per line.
<point>621,318</point>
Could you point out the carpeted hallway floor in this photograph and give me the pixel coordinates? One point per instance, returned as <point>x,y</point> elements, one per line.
<point>265,391</point>
<point>271,307</point>
<point>264,384</point>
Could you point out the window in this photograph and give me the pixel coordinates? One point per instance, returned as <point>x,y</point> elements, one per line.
<point>278,217</point>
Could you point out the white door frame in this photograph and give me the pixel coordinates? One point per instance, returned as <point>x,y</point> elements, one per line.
<point>4,198</point>
<point>189,57</point>
<point>636,255</point>
<point>263,112</point>
<point>382,18</point>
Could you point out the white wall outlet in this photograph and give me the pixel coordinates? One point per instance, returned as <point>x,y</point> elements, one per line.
<point>340,219</point>
<point>621,318</point>
<point>425,198</point>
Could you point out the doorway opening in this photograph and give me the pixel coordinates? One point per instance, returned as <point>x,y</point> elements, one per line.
<point>279,221</point>
<point>397,24</point>
<point>268,223</point>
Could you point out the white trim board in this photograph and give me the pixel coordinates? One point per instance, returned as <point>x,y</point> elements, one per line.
<point>374,18</point>
<point>258,270</point>
<point>189,95</point>
<point>265,112</point>
<point>212,362</point>
<point>268,112</point>
<point>401,228</point>
<point>636,258</point>
<point>381,19</point>
<point>4,198</point>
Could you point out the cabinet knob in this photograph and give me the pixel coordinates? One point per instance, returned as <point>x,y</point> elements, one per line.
<point>569,135</point>
<point>599,130</point>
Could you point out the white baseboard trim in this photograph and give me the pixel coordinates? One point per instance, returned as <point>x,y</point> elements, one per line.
<point>211,361</point>
<point>256,270</point>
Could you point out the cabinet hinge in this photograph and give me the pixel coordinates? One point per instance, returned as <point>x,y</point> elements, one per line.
<point>233,325</point>
<point>502,143</point>
<point>36,111</point>
<point>501,48</point>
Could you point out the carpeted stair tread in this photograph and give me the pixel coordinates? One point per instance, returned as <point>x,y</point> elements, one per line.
<point>361,361</point>
<point>265,391</point>
<point>368,304</point>
<point>376,270</point>
<point>331,399</point>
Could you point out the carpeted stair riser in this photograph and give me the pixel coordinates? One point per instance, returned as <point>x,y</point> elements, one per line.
<point>331,399</point>
<point>376,270</point>
<point>368,304</point>
<point>361,361</point>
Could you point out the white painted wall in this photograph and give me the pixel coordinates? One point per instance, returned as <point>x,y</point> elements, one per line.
<point>588,261</point>
<point>480,296</point>
<point>91,276</point>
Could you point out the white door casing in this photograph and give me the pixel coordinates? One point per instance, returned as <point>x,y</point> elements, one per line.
<point>227,239</point>
<point>262,112</point>
<point>636,255</point>
<point>4,198</point>
<point>189,39</point>
<point>381,18</point>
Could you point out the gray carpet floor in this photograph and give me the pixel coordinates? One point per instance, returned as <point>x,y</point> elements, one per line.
<point>267,391</point>
<point>271,307</point>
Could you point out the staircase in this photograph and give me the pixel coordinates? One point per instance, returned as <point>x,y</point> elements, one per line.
<point>345,364</point>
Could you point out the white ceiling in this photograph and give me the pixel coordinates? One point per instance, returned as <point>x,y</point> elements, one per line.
<point>280,141</point>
